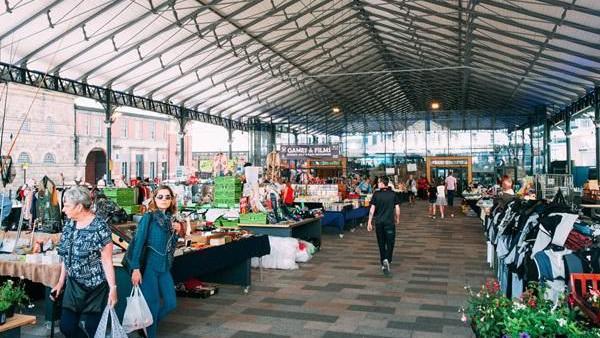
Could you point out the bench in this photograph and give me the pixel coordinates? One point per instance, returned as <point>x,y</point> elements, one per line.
<point>12,327</point>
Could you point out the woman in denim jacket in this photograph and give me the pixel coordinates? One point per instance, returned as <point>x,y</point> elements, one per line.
<point>159,236</point>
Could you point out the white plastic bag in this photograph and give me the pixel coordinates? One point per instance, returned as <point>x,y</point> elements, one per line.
<point>116,330</point>
<point>137,313</point>
<point>282,256</point>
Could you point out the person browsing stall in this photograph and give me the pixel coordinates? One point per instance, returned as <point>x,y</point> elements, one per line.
<point>87,275</point>
<point>385,213</point>
<point>364,187</point>
<point>288,194</point>
<point>158,234</point>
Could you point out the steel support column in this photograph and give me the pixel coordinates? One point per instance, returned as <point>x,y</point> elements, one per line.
<point>108,121</point>
<point>272,138</point>
<point>532,172</point>
<point>597,123</point>
<point>230,142</point>
<point>568,136</point>
<point>546,146</point>
<point>183,120</point>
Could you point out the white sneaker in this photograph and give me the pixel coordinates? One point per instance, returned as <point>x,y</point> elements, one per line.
<point>386,266</point>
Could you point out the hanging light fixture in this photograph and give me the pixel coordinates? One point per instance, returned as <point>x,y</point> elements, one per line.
<point>336,109</point>
<point>435,105</point>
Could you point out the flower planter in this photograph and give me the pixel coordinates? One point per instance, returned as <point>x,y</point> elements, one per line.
<point>10,312</point>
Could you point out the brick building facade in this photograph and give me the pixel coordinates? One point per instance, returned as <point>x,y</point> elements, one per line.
<point>59,137</point>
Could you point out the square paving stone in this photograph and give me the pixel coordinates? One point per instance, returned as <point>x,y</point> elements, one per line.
<point>250,334</point>
<point>425,291</point>
<point>415,326</point>
<point>291,315</point>
<point>332,334</point>
<point>370,309</point>
<point>282,301</point>
<point>441,308</point>
<point>379,298</point>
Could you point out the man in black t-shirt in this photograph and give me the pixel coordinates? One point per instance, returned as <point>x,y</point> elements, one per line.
<point>385,209</point>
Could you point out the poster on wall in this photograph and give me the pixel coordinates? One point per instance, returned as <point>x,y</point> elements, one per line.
<point>302,152</point>
<point>411,167</point>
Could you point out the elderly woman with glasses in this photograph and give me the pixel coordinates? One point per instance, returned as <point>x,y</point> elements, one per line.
<point>87,274</point>
<point>158,235</point>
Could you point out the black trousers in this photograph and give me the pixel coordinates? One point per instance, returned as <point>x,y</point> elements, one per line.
<point>450,198</point>
<point>69,323</point>
<point>386,237</point>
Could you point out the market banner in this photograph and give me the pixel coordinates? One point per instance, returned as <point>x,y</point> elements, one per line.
<point>302,152</point>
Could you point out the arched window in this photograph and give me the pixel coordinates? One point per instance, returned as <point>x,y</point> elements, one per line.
<point>24,157</point>
<point>49,158</point>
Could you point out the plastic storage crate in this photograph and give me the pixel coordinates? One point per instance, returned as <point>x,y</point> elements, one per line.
<point>580,283</point>
<point>227,223</point>
<point>121,196</point>
<point>253,218</point>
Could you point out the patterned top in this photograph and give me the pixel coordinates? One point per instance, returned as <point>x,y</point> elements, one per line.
<point>81,248</point>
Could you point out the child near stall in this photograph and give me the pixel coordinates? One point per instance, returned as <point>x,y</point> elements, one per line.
<point>440,200</point>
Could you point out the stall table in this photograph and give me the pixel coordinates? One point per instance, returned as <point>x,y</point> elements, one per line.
<point>46,274</point>
<point>226,264</point>
<point>335,219</point>
<point>12,327</point>
<point>309,228</point>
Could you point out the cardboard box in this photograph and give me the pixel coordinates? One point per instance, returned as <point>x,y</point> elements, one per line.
<point>220,240</point>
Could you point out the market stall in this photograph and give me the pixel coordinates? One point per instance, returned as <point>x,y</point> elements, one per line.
<point>541,241</point>
<point>309,229</point>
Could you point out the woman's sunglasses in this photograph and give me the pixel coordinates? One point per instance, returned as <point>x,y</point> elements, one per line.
<point>163,197</point>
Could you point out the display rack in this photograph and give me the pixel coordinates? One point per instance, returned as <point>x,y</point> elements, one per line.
<point>548,185</point>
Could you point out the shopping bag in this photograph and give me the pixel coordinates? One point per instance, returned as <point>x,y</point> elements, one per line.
<point>116,330</point>
<point>137,313</point>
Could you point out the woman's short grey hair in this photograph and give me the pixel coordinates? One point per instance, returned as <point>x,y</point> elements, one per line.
<point>79,195</point>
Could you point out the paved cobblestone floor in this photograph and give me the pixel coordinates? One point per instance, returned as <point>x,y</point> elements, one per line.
<point>342,292</point>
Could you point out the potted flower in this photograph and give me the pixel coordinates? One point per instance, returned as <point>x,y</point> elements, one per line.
<point>4,306</point>
<point>593,300</point>
<point>485,309</point>
<point>14,294</point>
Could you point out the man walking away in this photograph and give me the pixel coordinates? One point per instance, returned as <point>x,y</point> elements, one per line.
<point>385,209</point>
<point>451,189</point>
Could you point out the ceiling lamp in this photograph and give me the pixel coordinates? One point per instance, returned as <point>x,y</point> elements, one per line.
<point>336,109</point>
<point>435,105</point>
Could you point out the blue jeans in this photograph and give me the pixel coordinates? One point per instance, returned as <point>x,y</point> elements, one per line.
<point>157,285</point>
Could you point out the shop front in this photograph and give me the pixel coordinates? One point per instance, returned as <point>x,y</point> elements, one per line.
<point>439,167</point>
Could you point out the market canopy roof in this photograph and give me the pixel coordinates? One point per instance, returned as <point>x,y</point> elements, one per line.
<point>489,63</point>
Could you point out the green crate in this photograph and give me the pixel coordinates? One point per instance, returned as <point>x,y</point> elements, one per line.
<point>227,180</point>
<point>132,209</point>
<point>228,188</point>
<point>121,196</point>
<point>253,218</point>
<point>226,200</point>
<point>227,197</point>
<point>227,222</point>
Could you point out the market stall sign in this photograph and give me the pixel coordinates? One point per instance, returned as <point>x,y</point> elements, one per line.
<point>449,162</point>
<point>297,152</point>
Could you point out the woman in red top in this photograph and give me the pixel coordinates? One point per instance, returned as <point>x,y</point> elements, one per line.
<point>288,194</point>
<point>422,186</point>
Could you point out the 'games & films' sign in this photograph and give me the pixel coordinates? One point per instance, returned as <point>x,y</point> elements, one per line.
<point>302,152</point>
